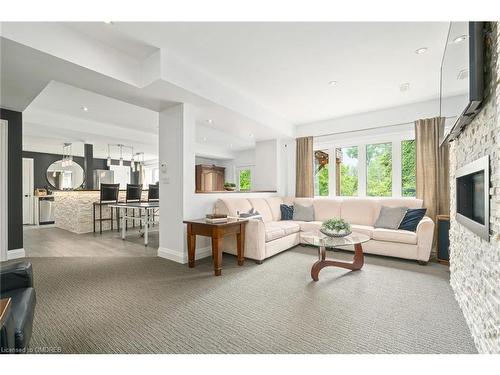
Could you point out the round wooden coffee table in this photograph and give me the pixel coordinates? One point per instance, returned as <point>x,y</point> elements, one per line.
<point>324,242</point>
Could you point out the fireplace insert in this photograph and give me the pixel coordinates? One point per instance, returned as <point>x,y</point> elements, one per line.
<point>472,194</point>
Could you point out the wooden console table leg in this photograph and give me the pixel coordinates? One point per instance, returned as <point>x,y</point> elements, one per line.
<point>217,253</point>
<point>240,244</point>
<point>191,240</point>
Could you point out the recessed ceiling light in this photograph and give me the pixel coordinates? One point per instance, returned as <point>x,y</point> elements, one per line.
<point>230,145</point>
<point>108,22</point>
<point>251,135</point>
<point>460,38</point>
<point>404,87</point>
<point>85,109</point>
<point>204,139</point>
<point>209,121</point>
<point>333,83</point>
<point>421,50</point>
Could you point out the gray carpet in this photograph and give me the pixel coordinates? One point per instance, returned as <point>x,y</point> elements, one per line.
<point>151,305</point>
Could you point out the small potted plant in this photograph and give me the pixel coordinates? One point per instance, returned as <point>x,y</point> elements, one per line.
<point>336,227</point>
<point>230,186</point>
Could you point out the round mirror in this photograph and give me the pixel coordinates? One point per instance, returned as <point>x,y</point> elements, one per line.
<point>68,177</point>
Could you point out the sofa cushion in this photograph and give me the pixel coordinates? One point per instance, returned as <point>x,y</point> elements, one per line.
<point>325,208</point>
<point>288,226</point>
<point>261,205</point>
<point>231,206</point>
<point>286,212</point>
<point>274,204</point>
<point>363,211</point>
<point>395,235</point>
<point>390,217</point>
<point>273,232</point>
<point>302,212</point>
<point>363,229</point>
<point>412,218</point>
<point>309,226</point>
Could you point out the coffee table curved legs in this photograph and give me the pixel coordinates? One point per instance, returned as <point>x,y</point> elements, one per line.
<point>356,264</point>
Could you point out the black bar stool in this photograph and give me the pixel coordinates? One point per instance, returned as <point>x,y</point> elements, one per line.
<point>154,196</point>
<point>134,193</point>
<point>109,194</point>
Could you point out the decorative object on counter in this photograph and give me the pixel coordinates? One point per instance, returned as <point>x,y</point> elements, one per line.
<point>390,217</point>
<point>336,227</point>
<point>216,218</point>
<point>229,186</point>
<point>40,192</point>
<point>286,212</point>
<point>251,214</point>
<point>109,195</point>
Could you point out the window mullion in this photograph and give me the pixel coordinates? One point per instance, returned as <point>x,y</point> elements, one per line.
<point>362,170</point>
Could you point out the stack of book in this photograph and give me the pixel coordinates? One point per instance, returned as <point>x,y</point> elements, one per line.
<point>216,218</point>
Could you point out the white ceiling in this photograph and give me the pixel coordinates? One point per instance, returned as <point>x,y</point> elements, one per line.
<point>286,67</point>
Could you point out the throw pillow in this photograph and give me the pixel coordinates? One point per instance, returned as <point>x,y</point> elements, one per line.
<point>303,213</point>
<point>412,218</point>
<point>390,217</point>
<point>252,214</point>
<point>286,212</point>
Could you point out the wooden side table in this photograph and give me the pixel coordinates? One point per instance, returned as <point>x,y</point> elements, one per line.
<point>216,231</point>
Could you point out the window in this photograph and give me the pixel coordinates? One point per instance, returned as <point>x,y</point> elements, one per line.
<point>408,169</point>
<point>347,171</point>
<point>245,179</point>
<point>379,170</point>
<point>150,175</point>
<point>321,173</point>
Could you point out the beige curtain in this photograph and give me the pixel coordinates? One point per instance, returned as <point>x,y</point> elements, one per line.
<point>433,184</point>
<point>304,184</point>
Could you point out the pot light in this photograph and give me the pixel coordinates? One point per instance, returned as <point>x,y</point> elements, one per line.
<point>85,109</point>
<point>333,83</point>
<point>204,139</point>
<point>108,22</point>
<point>460,38</point>
<point>421,50</point>
<point>251,135</point>
<point>209,121</point>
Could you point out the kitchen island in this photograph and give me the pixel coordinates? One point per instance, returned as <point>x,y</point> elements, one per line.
<point>73,209</point>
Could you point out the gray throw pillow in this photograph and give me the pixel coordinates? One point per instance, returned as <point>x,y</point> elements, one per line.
<point>303,213</point>
<point>390,217</point>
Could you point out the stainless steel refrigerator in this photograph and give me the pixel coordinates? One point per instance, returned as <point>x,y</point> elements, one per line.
<point>103,176</point>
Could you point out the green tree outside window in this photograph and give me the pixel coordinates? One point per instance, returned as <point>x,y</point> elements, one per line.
<point>245,179</point>
<point>408,169</point>
<point>379,170</point>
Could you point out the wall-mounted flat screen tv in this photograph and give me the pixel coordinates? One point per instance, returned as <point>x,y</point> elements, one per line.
<point>462,78</point>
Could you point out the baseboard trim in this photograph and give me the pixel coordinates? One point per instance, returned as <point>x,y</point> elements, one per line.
<point>182,258</point>
<point>16,254</point>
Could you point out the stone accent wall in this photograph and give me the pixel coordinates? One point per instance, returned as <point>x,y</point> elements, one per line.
<point>474,262</point>
<point>73,210</point>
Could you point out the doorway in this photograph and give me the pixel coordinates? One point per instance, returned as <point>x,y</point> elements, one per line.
<point>28,189</point>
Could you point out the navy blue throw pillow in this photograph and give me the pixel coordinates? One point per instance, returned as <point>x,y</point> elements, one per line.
<point>412,218</point>
<point>286,212</point>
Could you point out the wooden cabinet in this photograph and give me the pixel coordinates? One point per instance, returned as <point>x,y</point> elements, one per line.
<point>209,178</point>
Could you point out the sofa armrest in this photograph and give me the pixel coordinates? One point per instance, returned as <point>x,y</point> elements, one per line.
<point>255,239</point>
<point>425,238</point>
<point>16,276</point>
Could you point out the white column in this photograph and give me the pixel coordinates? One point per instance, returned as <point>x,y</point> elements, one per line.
<point>177,178</point>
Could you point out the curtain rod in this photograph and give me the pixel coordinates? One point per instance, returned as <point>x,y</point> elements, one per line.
<point>373,127</point>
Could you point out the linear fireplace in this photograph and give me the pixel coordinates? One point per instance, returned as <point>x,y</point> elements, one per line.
<point>473,199</point>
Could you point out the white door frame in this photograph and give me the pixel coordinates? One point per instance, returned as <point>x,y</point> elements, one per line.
<point>4,154</point>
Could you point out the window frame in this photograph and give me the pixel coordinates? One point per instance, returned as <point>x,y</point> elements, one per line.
<point>361,142</point>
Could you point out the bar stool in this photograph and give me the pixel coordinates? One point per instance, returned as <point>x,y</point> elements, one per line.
<point>109,194</point>
<point>133,194</point>
<point>153,196</point>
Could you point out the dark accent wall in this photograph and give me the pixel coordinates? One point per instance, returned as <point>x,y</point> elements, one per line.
<point>15,178</point>
<point>88,167</point>
<point>41,161</point>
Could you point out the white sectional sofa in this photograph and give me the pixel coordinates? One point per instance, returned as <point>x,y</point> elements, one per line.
<point>272,235</point>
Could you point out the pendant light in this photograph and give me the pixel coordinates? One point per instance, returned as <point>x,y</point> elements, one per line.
<point>121,155</point>
<point>108,161</point>
<point>132,163</point>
